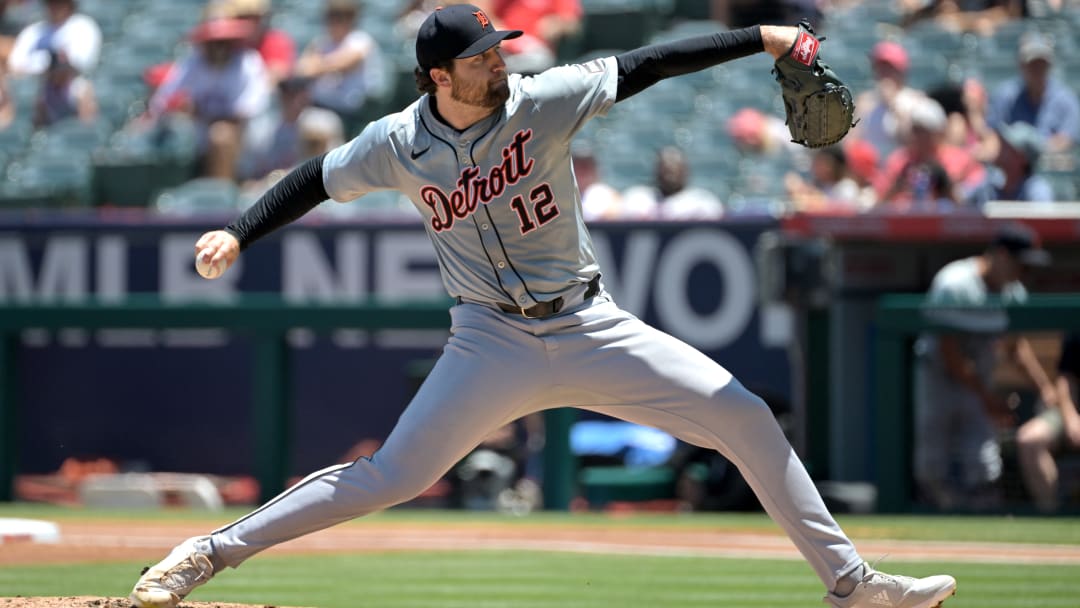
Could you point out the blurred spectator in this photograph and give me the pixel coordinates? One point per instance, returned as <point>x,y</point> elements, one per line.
<point>1038,98</point>
<point>670,197</point>
<point>345,62</point>
<point>957,410</point>
<point>74,34</point>
<point>155,76</point>
<point>413,14</point>
<point>1044,9</point>
<point>546,24</point>
<point>599,201</point>
<point>927,173</point>
<point>884,110</point>
<point>298,131</point>
<point>862,162</point>
<point>1055,429</point>
<point>1015,177</point>
<point>275,46</point>
<point>225,84</point>
<point>981,17</point>
<point>7,102</point>
<point>10,26</point>
<point>830,187</point>
<point>966,125</point>
<point>756,133</point>
<point>64,94</point>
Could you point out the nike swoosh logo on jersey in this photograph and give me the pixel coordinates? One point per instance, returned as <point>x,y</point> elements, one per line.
<point>415,155</point>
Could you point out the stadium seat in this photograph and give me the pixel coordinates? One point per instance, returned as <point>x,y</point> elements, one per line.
<point>121,180</point>
<point>64,181</point>
<point>109,14</point>
<point>930,37</point>
<point>200,195</point>
<point>622,24</point>
<point>304,27</point>
<point>686,29</point>
<point>71,136</point>
<point>1064,184</point>
<point>23,91</point>
<point>929,69</point>
<point>994,72</point>
<point>15,195</point>
<point>136,165</point>
<point>759,186</point>
<point>16,137</point>
<point>694,10</point>
<point>673,97</point>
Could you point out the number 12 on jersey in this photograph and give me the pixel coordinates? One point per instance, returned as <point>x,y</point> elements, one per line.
<point>544,208</point>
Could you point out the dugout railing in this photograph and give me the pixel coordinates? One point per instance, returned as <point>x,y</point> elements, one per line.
<point>267,319</point>
<point>899,318</point>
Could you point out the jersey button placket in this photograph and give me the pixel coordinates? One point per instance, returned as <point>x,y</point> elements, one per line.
<point>489,240</point>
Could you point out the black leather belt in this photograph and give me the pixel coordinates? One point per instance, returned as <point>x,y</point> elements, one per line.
<point>545,309</point>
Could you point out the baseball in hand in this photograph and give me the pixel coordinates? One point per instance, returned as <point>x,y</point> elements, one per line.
<point>205,268</point>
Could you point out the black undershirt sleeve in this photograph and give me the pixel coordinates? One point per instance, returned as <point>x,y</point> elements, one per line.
<point>300,191</point>
<point>644,67</point>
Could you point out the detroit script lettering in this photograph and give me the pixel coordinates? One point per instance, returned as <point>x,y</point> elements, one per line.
<point>474,190</point>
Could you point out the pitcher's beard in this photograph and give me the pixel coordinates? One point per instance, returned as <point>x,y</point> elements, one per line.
<point>495,95</point>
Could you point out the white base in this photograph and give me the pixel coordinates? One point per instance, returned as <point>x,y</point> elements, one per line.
<point>13,530</point>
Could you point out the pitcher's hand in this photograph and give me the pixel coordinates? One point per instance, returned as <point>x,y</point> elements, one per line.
<point>215,252</point>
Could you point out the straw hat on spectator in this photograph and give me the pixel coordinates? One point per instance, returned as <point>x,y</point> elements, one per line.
<point>241,8</point>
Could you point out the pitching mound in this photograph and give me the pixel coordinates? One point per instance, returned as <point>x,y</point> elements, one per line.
<point>102,602</point>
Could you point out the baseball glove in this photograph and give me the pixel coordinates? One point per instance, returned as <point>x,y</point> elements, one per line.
<point>819,106</point>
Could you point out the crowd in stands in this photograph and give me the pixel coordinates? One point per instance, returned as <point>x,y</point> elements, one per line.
<point>959,103</point>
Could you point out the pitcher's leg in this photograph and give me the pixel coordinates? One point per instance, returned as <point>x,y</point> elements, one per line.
<point>741,426</point>
<point>632,371</point>
<point>459,404</point>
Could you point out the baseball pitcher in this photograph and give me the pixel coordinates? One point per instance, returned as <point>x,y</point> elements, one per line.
<point>485,157</point>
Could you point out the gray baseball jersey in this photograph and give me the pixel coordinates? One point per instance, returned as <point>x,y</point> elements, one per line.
<point>500,203</point>
<point>499,199</point>
<point>951,421</point>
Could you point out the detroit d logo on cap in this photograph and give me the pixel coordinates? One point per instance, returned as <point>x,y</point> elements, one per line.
<point>482,19</point>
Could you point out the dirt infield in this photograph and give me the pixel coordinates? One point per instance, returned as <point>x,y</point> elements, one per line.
<point>125,541</point>
<point>98,602</point>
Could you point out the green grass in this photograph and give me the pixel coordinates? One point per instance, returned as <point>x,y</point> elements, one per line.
<point>542,580</point>
<point>523,579</point>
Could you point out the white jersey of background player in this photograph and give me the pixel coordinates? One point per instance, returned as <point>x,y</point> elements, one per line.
<point>485,156</point>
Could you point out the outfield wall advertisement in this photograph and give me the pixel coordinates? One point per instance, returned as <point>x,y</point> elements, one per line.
<point>179,400</point>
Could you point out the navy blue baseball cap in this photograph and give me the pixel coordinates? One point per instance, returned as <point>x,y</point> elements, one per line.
<point>456,32</point>
<point>1022,243</point>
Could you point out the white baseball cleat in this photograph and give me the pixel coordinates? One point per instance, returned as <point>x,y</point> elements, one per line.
<point>169,582</point>
<point>880,590</point>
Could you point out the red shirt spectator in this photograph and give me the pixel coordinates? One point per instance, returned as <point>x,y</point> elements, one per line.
<point>276,47</point>
<point>927,172</point>
<point>548,20</point>
<point>545,23</point>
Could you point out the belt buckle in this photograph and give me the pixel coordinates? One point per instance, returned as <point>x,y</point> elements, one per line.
<point>525,313</point>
